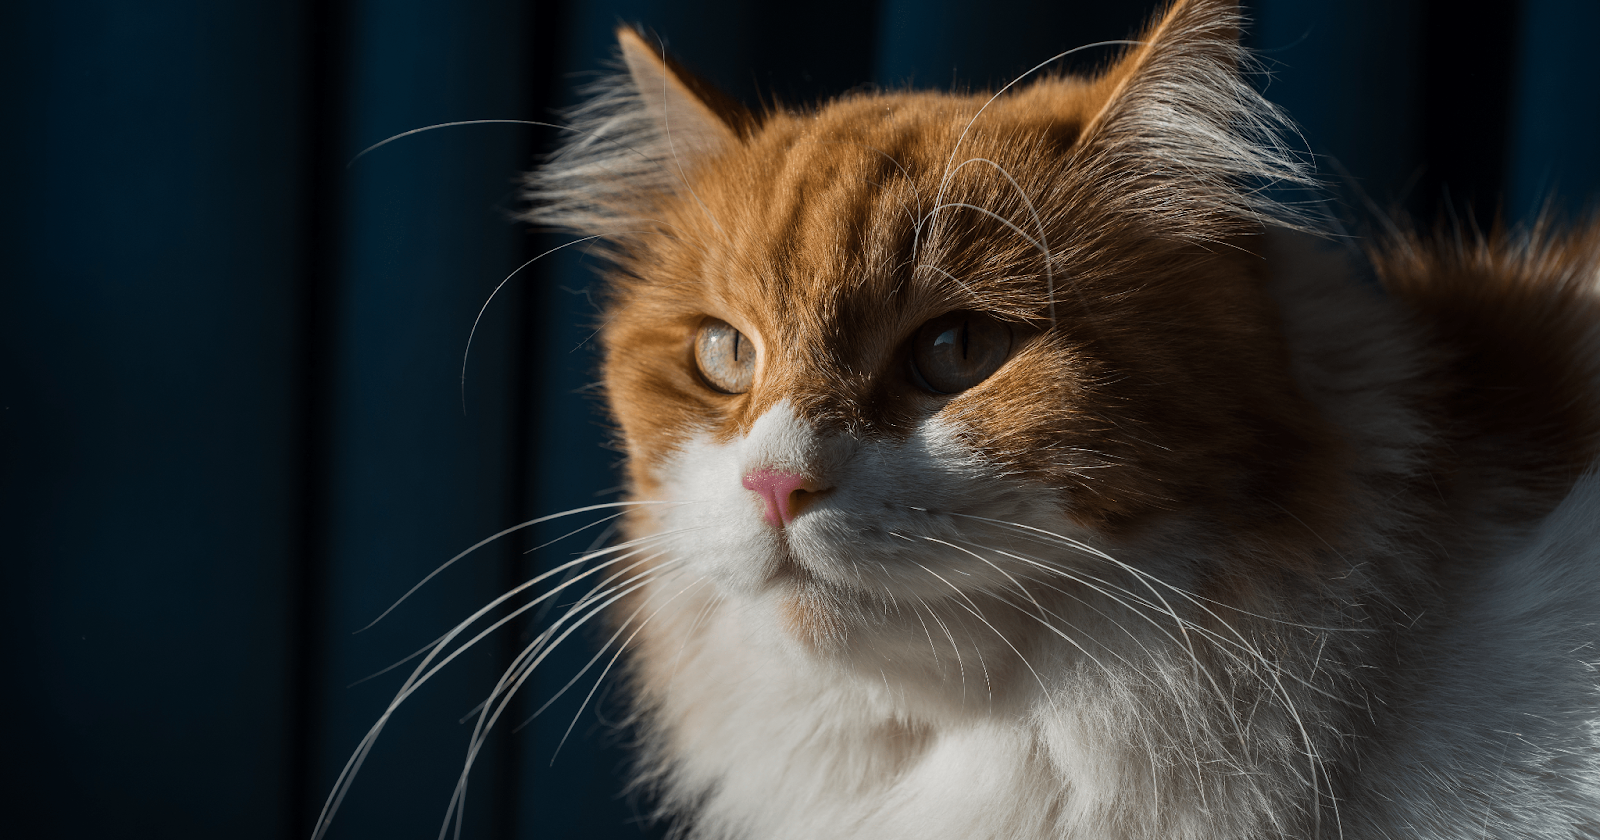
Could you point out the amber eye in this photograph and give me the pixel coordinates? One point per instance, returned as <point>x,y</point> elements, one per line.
<point>726,358</point>
<point>954,352</point>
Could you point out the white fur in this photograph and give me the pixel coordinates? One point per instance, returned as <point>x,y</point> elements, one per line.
<point>1501,739</point>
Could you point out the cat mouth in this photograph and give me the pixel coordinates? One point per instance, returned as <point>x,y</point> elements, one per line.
<point>786,568</point>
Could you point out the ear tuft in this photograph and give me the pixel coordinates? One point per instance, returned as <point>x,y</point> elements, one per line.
<point>1183,134</point>
<point>638,136</point>
<point>693,113</point>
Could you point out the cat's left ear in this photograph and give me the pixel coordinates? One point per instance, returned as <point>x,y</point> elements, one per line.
<point>1178,116</point>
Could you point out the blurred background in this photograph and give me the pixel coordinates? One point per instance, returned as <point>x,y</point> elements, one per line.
<point>233,424</point>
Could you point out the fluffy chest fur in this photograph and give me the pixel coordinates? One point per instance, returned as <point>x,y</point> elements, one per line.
<point>1007,466</point>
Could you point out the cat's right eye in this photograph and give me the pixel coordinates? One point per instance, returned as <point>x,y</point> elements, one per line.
<point>957,351</point>
<point>726,358</point>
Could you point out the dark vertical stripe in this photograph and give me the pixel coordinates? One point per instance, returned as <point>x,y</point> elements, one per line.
<point>542,50</point>
<point>325,69</point>
<point>1468,59</point>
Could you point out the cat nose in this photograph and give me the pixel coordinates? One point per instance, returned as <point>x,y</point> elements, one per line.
<point>785,493</point>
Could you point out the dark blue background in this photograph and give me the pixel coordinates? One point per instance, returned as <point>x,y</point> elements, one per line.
<point>231,419</point>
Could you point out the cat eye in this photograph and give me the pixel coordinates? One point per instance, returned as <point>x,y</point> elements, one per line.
<point>726,358</point>
<point>954,352</point>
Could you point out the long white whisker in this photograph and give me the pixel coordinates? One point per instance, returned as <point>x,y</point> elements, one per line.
<point>622,628</point>
<point>598,591</point>
<point>1273,672</point>
<point>1182,623</point>
<point>997,217</point>
<point>955,648</point>
<point>541,645</point>
<point>513,529</point>
<point>1044,689</point>
<point>1143,576</point>
<point>1044,242</point>
<point>422,673</point>
<point>595,545</point>
<point>570,566</point>
<point>485,307</point>
<point>485,723</point>
<point>386,141</point>
<point>614,657</point>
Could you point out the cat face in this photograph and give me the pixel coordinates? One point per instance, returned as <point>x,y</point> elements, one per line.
<point>869,353</point>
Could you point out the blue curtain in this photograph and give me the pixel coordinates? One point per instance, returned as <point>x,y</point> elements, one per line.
<point>234,426</point>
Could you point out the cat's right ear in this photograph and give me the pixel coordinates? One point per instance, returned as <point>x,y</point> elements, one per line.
<point>695,118</point>
<point>640,136</point>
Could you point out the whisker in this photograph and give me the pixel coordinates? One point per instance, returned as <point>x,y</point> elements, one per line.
<point>993,215</point>
<point>620,649</point>
<point>599,540</point>
<point>544,646</point>
<point>571,568</point>
<point>1197,600</point>
<point>1273,676</point>
<point>979,615</point>
<point>485,307</point>
<point>1044,244</point>
<point>539,648</point>
<point>422,673</point>
<point>386,141</point>
<point>513,529</point>
<point>944,180</point>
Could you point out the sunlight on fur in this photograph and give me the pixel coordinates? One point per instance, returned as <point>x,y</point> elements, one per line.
<point>1022,465</point>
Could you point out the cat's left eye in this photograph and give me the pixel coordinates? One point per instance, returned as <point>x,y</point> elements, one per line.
<point>726,358</point>
<point>954,352</point>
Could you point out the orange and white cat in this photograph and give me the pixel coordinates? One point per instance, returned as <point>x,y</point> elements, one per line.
<point>1015,470</point>
<point>1018,472</point>
<point>1013,466</point>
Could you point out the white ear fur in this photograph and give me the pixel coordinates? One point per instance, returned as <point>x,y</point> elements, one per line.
<point>692,129</point>
<point>1186,134</point>
<point>638,137</point>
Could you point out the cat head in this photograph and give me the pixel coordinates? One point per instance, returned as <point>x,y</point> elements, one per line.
<point>855,348</point>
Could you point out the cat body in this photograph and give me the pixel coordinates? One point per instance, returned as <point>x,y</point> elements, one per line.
<point>1012,466</point>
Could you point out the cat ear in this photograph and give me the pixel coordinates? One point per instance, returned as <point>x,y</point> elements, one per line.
<point>1182,123</point>
<point>639,136</point>
<point>696,119</point>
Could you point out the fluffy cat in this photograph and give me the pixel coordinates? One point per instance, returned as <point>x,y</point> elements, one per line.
<point>1015,466</point>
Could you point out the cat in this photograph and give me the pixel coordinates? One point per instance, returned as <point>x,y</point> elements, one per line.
<point>1019,466</point>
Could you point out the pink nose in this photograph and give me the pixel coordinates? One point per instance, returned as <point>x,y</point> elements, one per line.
<point>785,493</point>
